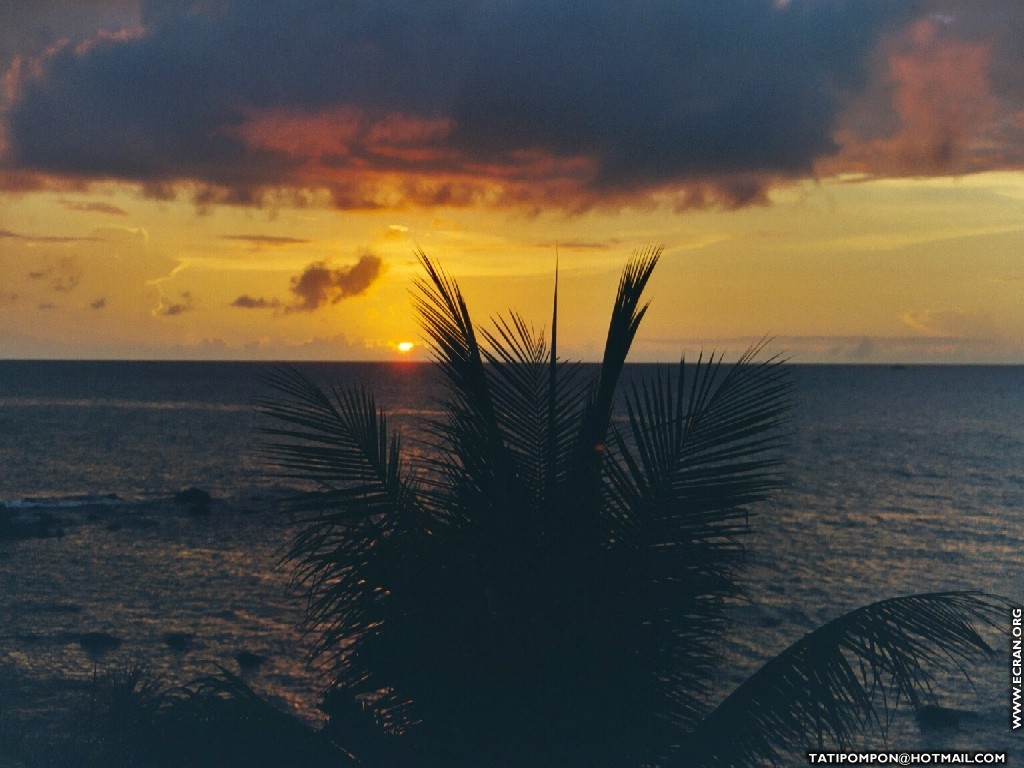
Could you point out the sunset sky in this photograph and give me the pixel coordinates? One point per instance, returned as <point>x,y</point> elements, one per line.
<point>233,179</point>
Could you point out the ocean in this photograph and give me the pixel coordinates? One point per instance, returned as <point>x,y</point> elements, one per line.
<point>901,480</point>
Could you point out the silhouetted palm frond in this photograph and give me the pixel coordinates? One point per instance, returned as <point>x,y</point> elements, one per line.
<point>363,508</point>
<point>544,584</point>
<point>584,482</point>
<point>701,448</point>
<point>844,677</point>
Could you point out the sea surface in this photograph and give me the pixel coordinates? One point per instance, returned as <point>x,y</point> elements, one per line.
<point>902,479</point>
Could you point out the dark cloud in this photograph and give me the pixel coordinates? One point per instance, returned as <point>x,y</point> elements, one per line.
<point>321,284</point>
<point>555,102</point>
<point>246,301</point>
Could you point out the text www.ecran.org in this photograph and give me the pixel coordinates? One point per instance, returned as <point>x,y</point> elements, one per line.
<point>1015,671</point>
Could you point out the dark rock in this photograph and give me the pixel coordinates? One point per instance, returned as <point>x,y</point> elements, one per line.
<point>98,643</point>
<point>197,500</point>
<point>178,641</point>
<point>247,661</point>
<point>192,496</point>
<point>933,718</point>
<point>14,525</point>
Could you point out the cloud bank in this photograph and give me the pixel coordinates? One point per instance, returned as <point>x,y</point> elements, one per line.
<point>537,103</point>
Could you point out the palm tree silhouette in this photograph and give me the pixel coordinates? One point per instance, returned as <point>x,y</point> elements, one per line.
<point>545,585</point>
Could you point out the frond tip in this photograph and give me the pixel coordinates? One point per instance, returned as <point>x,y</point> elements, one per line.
<point>847,676</point>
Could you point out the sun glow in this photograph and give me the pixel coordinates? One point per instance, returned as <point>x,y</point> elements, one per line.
<point>405,347</point>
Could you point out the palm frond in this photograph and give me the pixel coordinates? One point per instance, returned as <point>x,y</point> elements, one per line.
<point>516,357</point>
<point>551,448</point>
<point>445,319</point>
<point>340,441</point>
<point>844,677</point>
<point>581,519</point>
<point>678,489</point>
<point>625,320</point>
<point>551,590</point>
<point>474,474</point>
<point>701,448</point>
<point>538,402</point>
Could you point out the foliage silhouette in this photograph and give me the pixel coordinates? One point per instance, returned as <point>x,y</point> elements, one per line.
<point>133,720</point>
<point>545,583</point>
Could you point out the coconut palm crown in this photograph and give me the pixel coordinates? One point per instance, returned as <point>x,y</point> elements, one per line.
<point>545,582</point>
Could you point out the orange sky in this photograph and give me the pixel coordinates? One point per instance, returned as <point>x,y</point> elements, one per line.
<point>191,182</point>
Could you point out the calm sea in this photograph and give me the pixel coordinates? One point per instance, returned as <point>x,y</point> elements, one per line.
<point>903,479</point>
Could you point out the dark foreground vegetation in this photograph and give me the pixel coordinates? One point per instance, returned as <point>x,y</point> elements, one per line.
<point>541,584</point>
<point>127,719</point>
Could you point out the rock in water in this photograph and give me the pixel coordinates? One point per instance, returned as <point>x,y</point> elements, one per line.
<point>192,496</point>
<point>197,500</point>
<point>178,641</point>
<point>247,661</point>
<point>97,644</point>
<point>932,717</point>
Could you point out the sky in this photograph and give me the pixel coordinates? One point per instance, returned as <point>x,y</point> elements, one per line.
<point>233,179</point>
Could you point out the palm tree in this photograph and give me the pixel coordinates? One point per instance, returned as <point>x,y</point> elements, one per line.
<point>545,583</point>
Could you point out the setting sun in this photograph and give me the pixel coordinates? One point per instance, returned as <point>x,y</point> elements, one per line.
<point>405,347</point>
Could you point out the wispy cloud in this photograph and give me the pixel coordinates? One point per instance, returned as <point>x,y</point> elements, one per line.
<point>93,207</point>
<point>271,240</point>
<point>916,347</point>
<point>954,323</point>
<point>62,277</point>
<point>579,245</point>
<point>6,234</point>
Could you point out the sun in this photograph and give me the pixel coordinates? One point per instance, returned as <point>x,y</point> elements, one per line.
<point>405,347</point>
